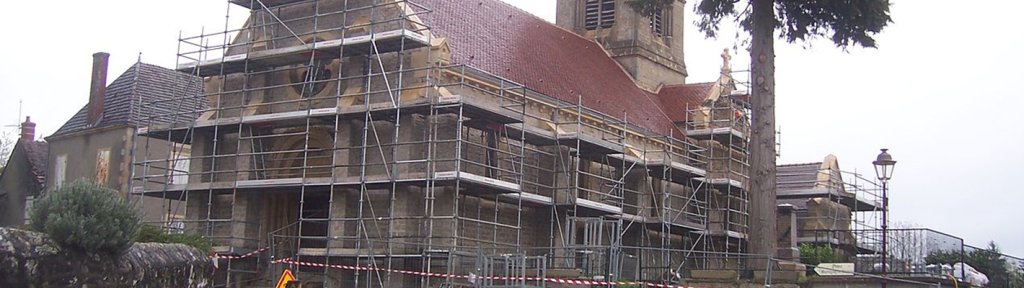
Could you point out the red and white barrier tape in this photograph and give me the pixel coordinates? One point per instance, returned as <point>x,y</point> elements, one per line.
<point>443,275</point>
<point>246,255</point>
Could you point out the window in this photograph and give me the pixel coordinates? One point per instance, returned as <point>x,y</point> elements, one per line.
<point>660,23</point>
<point>29,202</point>
<point>179,169</point>
<point>599,14</point>
<point>102,166</point>
<point>59,169</point>
<point>312,80</point>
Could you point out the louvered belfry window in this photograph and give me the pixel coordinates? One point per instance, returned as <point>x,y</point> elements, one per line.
<point>599,14</point>
<point>657,23</point>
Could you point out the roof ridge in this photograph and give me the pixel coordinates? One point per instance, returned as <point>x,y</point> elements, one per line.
<point>687,84</point>
<point>798,164</point>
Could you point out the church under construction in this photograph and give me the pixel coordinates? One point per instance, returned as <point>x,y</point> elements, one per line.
<point>430,143</point>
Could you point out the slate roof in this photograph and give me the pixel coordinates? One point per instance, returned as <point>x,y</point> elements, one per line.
<point>503,40</point>
<point>676,98</point>
<point>796,177</point>
<point>161,91</point>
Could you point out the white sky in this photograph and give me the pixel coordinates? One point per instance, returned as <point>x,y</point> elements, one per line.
<point>942,92</point>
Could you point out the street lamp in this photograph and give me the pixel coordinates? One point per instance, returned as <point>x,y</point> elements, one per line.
<point>883,169</point>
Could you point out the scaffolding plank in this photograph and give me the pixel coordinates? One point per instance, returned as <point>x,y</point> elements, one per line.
<point>255,4</point>
<point>716,133</point>
<point>685,226</point>
<point>477,109</point>
<point>627,161</point>
<point>179,131</point>
<point>386,110</point>
<point>860,204</point>
<point>854,202</point>
<point>177,191</point>
<point>376,43</point>
<point>532,135</point>
<point>678,172</point>
<point>277,118</point>
<point>382,181</point>
<point>529,199</point>
<point>725,233</point>
<point>589,145</point>
<point>598,206</point>
<point>224,65</point>
<point>352,253</point>
<point>476,184</point>
<point>723,184</point>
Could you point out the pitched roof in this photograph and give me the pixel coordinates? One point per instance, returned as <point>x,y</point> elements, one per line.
<point>792,177</point>
<point>676,98</point>
<point>796,177</point>
<point>501,39</point>
<point>161,90</point>
<point>37,152</point>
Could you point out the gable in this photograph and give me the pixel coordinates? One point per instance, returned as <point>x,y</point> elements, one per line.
<point>27,165</point>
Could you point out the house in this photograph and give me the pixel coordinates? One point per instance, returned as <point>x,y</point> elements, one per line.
<point>445,136</point>
<point>23,177</point>
<point>825,206</point>
<point>98,143</point>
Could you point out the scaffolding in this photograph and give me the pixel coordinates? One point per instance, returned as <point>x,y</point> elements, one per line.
<point>339,133</point>
<point>722,125</point>
<point>834,207</point>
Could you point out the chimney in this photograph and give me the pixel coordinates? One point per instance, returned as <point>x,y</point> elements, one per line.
<point>28,130</point>
<point>98,88</point>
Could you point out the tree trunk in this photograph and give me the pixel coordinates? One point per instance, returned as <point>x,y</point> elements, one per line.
<point>762,237</point>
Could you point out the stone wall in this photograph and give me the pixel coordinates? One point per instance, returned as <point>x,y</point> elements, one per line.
<point>30,259</point>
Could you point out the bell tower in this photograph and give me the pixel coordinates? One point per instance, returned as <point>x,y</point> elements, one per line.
<point>648,47</point>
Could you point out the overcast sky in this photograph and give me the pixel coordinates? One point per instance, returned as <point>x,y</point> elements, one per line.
<point>942,92</point>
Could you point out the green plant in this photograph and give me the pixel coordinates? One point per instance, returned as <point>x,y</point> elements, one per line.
<point>154,234</point>
<point>817,254</point>
<point>87,217</point>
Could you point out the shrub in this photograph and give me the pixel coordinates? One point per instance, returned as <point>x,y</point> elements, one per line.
<point>87,217</point>
<point>817,254</point>
<point>154,234</point>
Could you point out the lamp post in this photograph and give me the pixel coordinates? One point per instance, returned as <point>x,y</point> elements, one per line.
<point>883,169</point>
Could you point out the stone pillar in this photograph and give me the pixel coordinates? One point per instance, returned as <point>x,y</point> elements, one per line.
<point>408,226</point>
<point>339,211</point>
<point>195,211</point>
<point>413,129</point>
<point>245,221</point>
<point>787,237</point>
<point>348,135</point>
<point>638,193</point>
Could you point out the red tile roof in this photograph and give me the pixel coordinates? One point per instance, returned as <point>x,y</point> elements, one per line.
<point>501,39</point>
<point>676,98</point>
